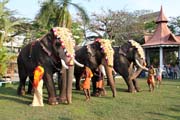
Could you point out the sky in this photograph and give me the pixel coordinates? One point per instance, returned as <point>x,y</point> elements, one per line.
<point>29,8</point>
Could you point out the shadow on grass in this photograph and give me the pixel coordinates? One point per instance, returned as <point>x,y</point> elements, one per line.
<point>63,118</point>
<point>176,117</point>
<point>10,93</point>
<point>176,108</point>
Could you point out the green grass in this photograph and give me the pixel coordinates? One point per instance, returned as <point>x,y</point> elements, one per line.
<point>162,104</point>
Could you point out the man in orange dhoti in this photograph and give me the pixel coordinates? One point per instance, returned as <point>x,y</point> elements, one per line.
<point>86,83</point>
<point>150,79</point>
<point>38,85</point>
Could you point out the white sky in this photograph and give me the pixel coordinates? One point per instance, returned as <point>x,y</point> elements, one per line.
<point>29,8</point>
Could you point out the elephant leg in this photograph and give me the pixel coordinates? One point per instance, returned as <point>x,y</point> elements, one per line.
<point>77,84</point>
<point>21,87</point>
<point>103,92</point>
<point>22,78</point>
<point>130,85</point>
<point>94,86</point>
<point>48,80</point>
<point>30,86</point>
<point>59,75</point>
<point>136,85</point>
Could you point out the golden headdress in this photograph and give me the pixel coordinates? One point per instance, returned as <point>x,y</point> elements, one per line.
<point>108,50</point>
<point>66,40</point>
<point>139,48</point>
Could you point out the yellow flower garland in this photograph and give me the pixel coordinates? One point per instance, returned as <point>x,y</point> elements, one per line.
<point>66,39</point>
<point>108,50</point>
<point>139,48</point>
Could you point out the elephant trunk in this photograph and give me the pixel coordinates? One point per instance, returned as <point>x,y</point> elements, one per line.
<point>70,77</point>
<point>63,87</point>
<point>109,71</point>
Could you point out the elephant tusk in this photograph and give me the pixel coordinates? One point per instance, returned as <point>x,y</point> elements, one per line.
<point>143,67</point>
<point>64,64</point>
<point>101,67</point>
<point>78,64</point>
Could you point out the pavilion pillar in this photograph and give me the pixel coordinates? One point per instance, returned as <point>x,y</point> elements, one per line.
<point>161,57</point>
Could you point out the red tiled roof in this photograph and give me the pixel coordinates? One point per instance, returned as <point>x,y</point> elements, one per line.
<point>162,35</point>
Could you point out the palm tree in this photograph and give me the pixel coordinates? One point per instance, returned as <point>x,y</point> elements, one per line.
<point>56,13</point>
<point>7,22</point>
<point>47,14</point>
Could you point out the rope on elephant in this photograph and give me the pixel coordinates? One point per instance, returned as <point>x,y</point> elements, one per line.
<point>66,39</point>
<point>139,48</point>
<point>108,50</point>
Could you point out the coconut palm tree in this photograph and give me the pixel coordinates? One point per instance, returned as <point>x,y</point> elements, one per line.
<point>56,13</point>
<point>7,22</point>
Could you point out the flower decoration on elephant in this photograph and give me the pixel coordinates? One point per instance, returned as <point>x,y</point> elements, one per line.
<point>107,49</point>
<point>139,48</point>
<point>67,41</point>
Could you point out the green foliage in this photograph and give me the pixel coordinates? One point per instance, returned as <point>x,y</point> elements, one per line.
<point>3,61</point>
<point>171,58</point>
<point>162,104</point>
<point>174,25</point>
<point>77,32</point>
<point>150,26</point>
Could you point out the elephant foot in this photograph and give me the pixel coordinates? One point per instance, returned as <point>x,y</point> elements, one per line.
<point>99,93</point>
<point>94,94</point>
<point>53,101</point>
<point>139,90</point>
<point>103,92</point>
<point>21,92</point>
<point>63,100</point>
<point>131,90</point>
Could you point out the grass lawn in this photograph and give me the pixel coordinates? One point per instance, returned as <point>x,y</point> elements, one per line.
<point>162,104</point>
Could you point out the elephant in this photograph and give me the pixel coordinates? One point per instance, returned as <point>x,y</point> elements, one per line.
<point>129,61</point>
<point>55,53</point>
<point>92,55</point>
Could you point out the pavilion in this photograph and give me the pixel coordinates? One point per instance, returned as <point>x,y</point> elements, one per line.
<point>162,40</point>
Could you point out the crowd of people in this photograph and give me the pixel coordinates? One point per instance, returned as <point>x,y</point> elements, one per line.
<point>171,71</point>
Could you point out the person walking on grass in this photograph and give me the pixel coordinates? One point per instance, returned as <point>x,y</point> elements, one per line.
<point>86,83</point>
<point>159,76</point>
<point>150,79</point>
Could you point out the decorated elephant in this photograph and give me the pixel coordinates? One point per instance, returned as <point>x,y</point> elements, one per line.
<point>129,61</point>
<point>92,55</point>
<point>55,53</point>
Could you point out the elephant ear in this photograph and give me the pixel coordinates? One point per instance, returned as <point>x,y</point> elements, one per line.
<point>107,49</point>
<point>139,48</point>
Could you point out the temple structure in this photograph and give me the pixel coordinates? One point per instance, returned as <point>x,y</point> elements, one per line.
<point>162,40</point>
